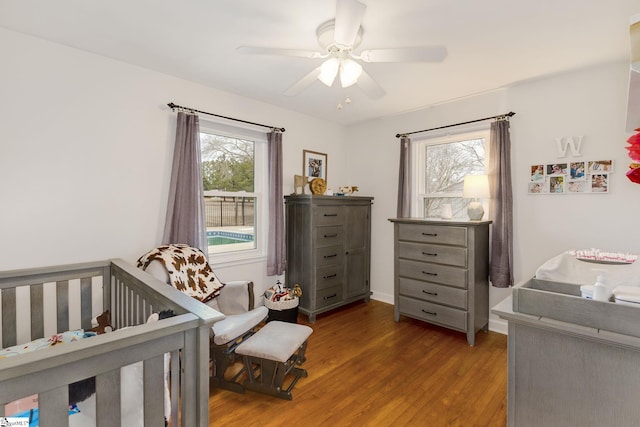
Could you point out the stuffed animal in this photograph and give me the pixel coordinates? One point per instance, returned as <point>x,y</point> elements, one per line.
<point>297,290</point>
<point>102,323</point>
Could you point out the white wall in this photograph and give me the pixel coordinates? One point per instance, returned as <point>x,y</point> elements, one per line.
<point>589,103</point>
<point>85,148</point>
<point>85,153</point>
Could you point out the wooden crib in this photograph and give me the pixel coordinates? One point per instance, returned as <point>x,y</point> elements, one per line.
<point>39,302</point>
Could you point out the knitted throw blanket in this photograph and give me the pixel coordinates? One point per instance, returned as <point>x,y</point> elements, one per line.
<point>188,269</point>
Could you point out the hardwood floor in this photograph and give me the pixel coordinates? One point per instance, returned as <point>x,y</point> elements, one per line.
<point>367,370</point>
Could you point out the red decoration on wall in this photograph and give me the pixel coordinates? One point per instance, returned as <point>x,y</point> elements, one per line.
<point>634,152</point>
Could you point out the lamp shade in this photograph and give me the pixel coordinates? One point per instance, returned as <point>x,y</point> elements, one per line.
<point>476,186</point>
<point>329,71</point>
<point>350,70</point>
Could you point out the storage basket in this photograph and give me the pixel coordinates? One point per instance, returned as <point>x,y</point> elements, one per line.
<point>281,305</point>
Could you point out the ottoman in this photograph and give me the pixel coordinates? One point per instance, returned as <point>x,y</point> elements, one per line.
<point>271,354</point>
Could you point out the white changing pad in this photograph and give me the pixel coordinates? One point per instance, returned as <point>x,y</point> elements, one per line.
<point>566,268</point>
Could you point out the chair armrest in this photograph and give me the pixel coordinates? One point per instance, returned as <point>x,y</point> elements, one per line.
<point>237,297</point>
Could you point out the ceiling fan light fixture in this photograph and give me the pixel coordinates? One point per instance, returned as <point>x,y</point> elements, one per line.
<point>329,71</point>
<point>350,71</point>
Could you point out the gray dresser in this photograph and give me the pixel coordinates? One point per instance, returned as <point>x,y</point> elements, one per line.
<point>441,273</point>
<point>328,250</point>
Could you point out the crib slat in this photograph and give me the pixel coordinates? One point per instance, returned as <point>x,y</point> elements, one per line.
<point>85,303</point>
<point>37,311</point>
<point>175,386</point>
<point>154,391</point>
<point>8,317</point>
<point>108,399</point>
<point>53,407</point>
<point>62,298</point>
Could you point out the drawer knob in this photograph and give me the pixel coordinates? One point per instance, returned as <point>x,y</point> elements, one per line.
<point>330,296</point>
<point>429,254</point>
<point>435,294</point>
<point>429,274</point>
<point>335,214</point>
<point>430,234</point>
<point>331,256</point>
<point>430,313</point>
<point>330,276</point>
<point>331,235</point>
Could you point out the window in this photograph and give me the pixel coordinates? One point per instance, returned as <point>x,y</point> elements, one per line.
<point>441,164</point>
<point>233,170</point>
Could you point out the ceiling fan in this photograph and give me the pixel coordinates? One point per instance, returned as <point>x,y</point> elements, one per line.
<point>338,39</point>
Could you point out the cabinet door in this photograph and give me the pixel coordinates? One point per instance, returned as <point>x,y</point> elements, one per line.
<point>357,235</point>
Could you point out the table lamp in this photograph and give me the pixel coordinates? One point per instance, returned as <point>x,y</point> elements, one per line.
<point>475,187</point>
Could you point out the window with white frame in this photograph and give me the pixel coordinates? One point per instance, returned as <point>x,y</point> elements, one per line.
<point>233,173</point>
<point>440,165</point>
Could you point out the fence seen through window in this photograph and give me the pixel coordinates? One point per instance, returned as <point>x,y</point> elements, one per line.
<point>228,169</point>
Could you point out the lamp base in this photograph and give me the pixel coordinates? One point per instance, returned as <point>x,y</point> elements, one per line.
<point>475,211</point>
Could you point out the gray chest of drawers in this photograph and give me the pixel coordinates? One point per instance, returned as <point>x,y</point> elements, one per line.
<point>328,250</point>
<point>441,273</point>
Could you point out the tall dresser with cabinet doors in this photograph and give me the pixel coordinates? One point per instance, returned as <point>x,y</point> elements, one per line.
<point>442,273</point>
<point>328,250</point>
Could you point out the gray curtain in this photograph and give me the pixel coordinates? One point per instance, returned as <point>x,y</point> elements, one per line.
<point>275,242</point>
<point>185,221</point>
<point>501,205</point>
<point>404,179</point>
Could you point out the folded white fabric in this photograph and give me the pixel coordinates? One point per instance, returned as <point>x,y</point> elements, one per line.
<point>629,295</point>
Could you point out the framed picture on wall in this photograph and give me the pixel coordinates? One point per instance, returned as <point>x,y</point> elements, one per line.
<point>600,166</point>
<point>314,164</point>
<point>577,170</point>
<point>556,169</point>
<point>600,183</point>
<point>576,186</point>
<point>556,184</point>
<point>537,173</point>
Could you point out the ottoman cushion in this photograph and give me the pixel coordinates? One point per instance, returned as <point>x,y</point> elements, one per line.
<point>275,341</point>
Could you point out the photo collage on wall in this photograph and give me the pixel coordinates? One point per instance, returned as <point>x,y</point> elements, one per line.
<point>574,177</point>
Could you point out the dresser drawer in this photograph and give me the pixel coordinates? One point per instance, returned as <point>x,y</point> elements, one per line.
<point>329,255</point>
<point>432,292</point>
<point>433,313</point>
<point>329,276</point>
<point>329,235</point>
<point>328,215</point>
<point>439,234</point>
<point>449,255</point>
<point>435,273</point>
<point>325,297</point>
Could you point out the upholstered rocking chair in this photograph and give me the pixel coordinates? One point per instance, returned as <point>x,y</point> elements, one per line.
<point>186,268</point>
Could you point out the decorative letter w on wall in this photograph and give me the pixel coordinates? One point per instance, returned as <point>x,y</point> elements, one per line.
<point>572,142</point>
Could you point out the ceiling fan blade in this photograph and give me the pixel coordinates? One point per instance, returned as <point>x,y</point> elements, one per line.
<point>407,54</point>
<point>369,86</point>
<point>349,14</point>
<point>257,50</point>
<point>303,83</point>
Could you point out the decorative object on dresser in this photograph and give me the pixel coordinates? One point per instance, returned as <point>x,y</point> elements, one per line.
<point>318,186</point>
<point>476,187</point>
<point>328,250</point>
<point>299,181</point>
<point>442,273</point>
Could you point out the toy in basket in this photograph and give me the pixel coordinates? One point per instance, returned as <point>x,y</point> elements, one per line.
<point>282,302</point>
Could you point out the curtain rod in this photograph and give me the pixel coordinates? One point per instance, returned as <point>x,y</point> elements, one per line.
<point>174,106</point>
<point>500,116</point>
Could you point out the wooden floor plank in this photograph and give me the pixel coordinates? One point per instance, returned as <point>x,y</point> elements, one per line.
<point>367,370</point>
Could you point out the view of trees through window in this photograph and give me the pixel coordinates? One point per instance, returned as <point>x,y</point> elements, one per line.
<point>445,166</point>
<point>228,171</point>
<point>227,163</point>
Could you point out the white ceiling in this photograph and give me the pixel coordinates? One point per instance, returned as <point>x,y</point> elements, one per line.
<point>491,43</point>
